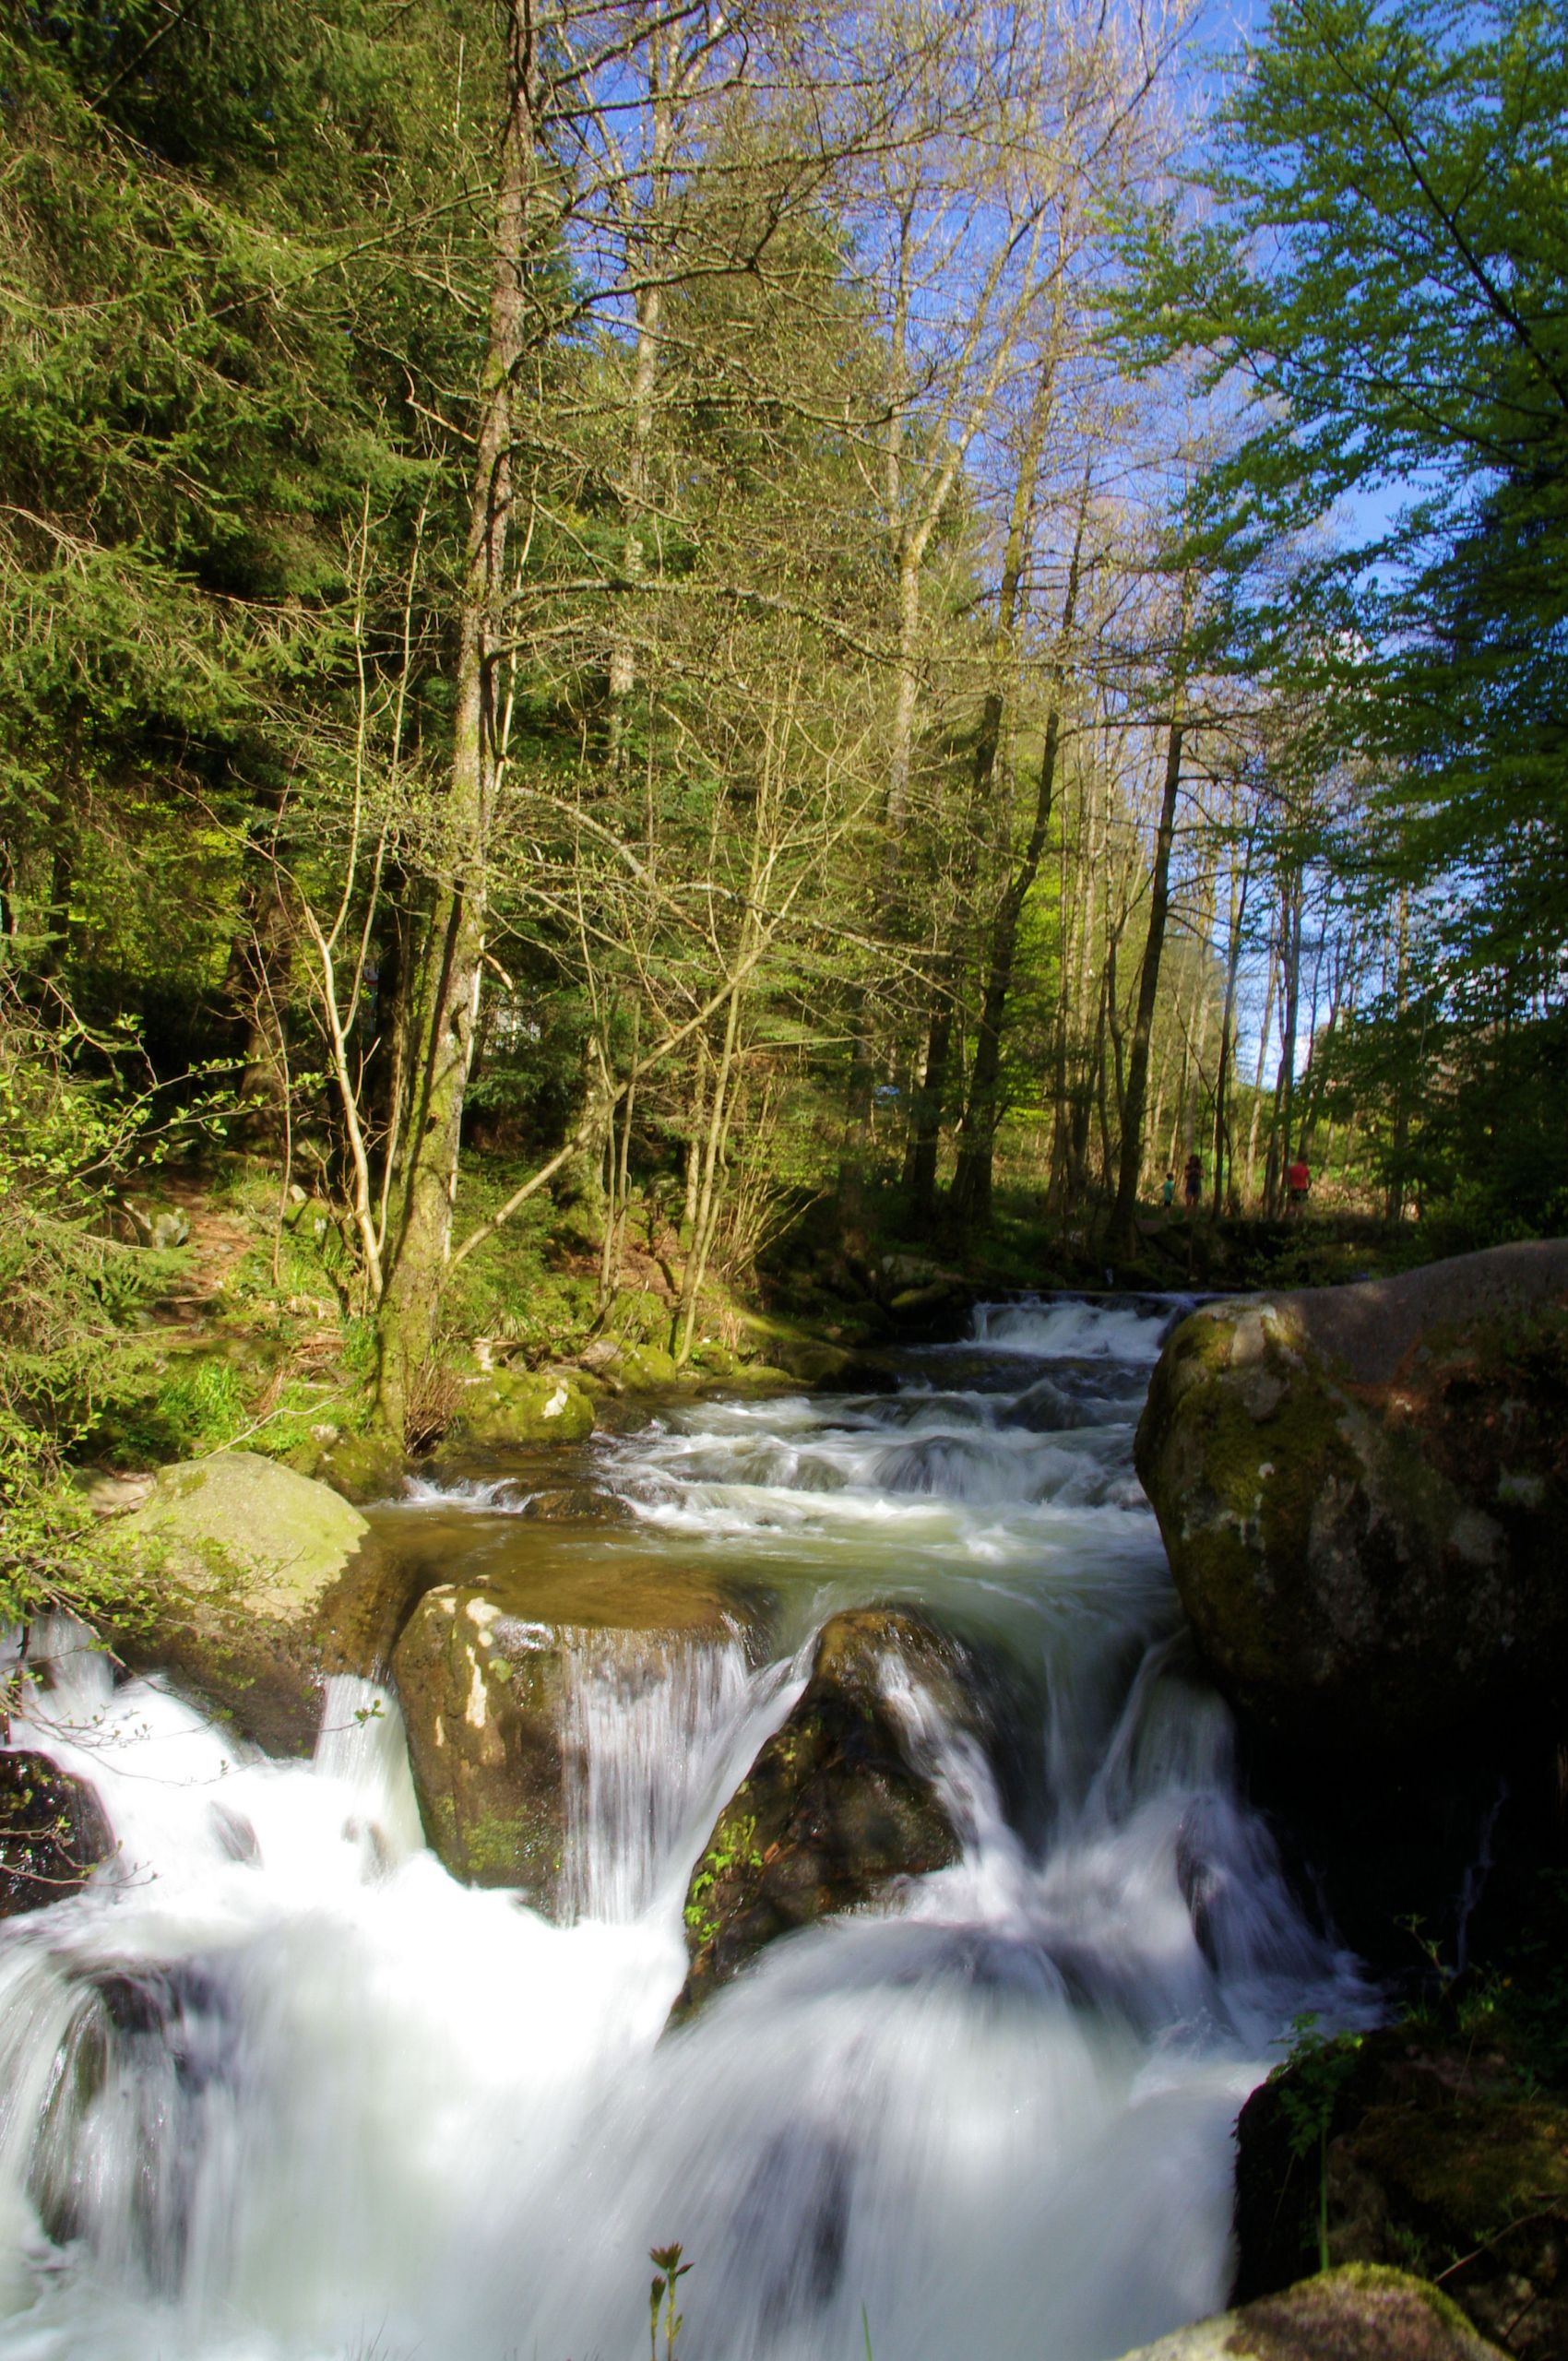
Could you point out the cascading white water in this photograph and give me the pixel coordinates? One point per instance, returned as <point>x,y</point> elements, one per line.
<point>651,1756</point>
<point>273,2088</point>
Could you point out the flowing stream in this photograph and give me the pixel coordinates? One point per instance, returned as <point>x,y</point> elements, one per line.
<point>275,2088</point>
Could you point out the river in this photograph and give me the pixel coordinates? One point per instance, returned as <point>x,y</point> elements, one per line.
<point>273,2087</point>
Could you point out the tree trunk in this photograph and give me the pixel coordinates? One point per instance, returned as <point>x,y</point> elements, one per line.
<point>410,1299</point>
<point>977,1141</point>
<point>1125,1215</point>
<point>1228,1021</point>
<point>1257,1080</point>
<point>1285,1083</point>
<point>932,1106</point>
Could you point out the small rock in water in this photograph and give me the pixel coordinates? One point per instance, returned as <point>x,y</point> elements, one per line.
<point>840,1806</point>
<point>53,1833</point>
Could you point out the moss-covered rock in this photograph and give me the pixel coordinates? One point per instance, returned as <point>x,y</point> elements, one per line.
<point>363,1467</point>
<point>53,1831</point>
<point>259,1582</point>
<point>512,1407</point>
<point>841,1802</point>
<point>484,1675</point>
<point>1363,1490</point>
<point>1358,2314</point>
<point>1433,2155</point>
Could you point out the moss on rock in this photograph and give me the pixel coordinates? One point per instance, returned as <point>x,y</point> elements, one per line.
<point>1436,2157</point>
<point>514,1408</point>
<point>1357,2314</point>
<point>257,1583</point>
<point>1362,1492</point>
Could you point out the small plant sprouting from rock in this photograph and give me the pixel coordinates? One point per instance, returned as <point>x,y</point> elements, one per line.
<point>1310,2080</point>
<point>733,1846</point>
<point>667,2262</point>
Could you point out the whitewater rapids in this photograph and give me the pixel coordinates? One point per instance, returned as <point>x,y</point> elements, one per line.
<point>274,2088</point>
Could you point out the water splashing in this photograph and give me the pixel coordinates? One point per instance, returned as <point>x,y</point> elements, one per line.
<point>273,2088</point>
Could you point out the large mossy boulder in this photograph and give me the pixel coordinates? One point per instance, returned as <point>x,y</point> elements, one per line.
<point>1419,2149</point>
<point>512,1407</point>
<point>256,1583</point>
<point>841,1804</point>
<point>486,1677</point>
<point>1357,2314</point>
<point>53,1831</point>
<point>1363,1491</point>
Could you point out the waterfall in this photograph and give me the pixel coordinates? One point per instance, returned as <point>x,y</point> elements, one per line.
<point>273,2087</point>
<point>649,1745</point>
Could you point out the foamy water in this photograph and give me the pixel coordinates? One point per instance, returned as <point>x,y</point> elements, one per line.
<point>275,2088</point>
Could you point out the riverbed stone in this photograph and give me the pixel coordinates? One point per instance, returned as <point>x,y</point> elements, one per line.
<point>510,1407</point>
<point>482,1672</point>
<point>53,1831</point>
<point>841,1804</point>
<point>254,1584</point>
<point>1358,2314</point>
<point>1363,1493</point>
<point>1435,2153</point>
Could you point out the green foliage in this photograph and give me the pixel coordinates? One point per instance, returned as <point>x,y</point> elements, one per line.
<point>733,1846</point>
<point>70,1292</point>
<point>1311,2081</point>
<point>514,1287</point>
<point>200,1409</point>
<point>1380,282</point>
<point>1517,2004</point>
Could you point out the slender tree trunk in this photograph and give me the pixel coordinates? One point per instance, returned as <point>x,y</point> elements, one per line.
<point>977,1139</point>
<point>1394,1200</point>
<point>663,77</point>
<point>1257,1079</point>
<point>1320,1072</point>
<point>1124,1215</point>
<point>1228,1020</point>
<point>409,1304</point>
<point>1285,1083</point>
<point>931,1104</point>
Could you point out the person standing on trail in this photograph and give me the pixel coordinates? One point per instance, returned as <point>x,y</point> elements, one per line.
<point>1297,1183</point>
<point>1168,1193</point>
<point>1192,1181</point>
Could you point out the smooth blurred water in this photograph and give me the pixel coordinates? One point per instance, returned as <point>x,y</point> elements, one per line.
<point>274,2088</point>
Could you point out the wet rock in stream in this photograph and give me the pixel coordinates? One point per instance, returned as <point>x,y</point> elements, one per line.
<point>842,1802</point>
<point>1362,1490</point>
<point>53,1831</point>
<point>485,1675</point>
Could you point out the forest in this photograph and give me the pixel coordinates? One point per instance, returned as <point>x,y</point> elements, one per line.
<point>634,639</point>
